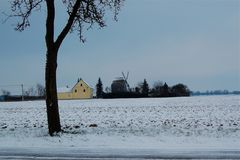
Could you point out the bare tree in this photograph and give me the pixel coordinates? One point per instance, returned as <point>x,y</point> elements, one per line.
<point>30,92</point>
<point>5,92</point>
<point>156,90</point>
<point>40,90</point>
<point>80,13</point>
<point>108,90</point>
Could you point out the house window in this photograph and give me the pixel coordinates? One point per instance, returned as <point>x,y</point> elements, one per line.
<point>84,90</point>
<point>81,84</point>
<point>75,91</point>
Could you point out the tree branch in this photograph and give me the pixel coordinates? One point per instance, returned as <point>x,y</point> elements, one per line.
<point>23,10</point>
<point>69,24</point>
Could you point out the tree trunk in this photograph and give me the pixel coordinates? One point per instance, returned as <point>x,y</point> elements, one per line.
<point>54,125</point>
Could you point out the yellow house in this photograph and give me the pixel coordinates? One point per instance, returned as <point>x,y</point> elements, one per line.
<point>81,90</point>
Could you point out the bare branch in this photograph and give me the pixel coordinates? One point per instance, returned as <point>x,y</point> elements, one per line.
<point>89,12</point>
<point>22,9</point>
<point>92,12</point>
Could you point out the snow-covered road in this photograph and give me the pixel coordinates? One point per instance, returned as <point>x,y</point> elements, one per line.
<point>110,154</point>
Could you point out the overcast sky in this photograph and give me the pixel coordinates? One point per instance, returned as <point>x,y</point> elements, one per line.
<point>195,42</point>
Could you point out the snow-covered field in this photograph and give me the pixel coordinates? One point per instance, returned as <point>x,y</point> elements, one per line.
<point>211,122</point>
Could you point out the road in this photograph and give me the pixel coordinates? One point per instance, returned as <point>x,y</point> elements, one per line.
<point>110,154</point>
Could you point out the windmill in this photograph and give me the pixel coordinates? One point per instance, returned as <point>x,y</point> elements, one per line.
<point>120,84</point>
<point>125,78</point>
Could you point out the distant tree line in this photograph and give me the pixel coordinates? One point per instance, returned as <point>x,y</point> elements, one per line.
<point>163,90</point>
<point>38,90</point>
<point>32,93</point>
<point>159,89</point>
<point>215,92</point>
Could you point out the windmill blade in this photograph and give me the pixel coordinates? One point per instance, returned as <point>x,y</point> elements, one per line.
<point>125,80</point>
<point>124,76</point>
<point>127,75</point>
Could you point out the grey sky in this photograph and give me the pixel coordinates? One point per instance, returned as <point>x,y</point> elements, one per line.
<point>195,42</point>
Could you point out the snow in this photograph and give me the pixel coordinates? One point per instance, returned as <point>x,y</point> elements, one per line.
<point>192,123</point>
<point>64,89</point>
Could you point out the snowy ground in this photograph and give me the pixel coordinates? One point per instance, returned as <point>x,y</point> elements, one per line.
<point>190,123</point>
